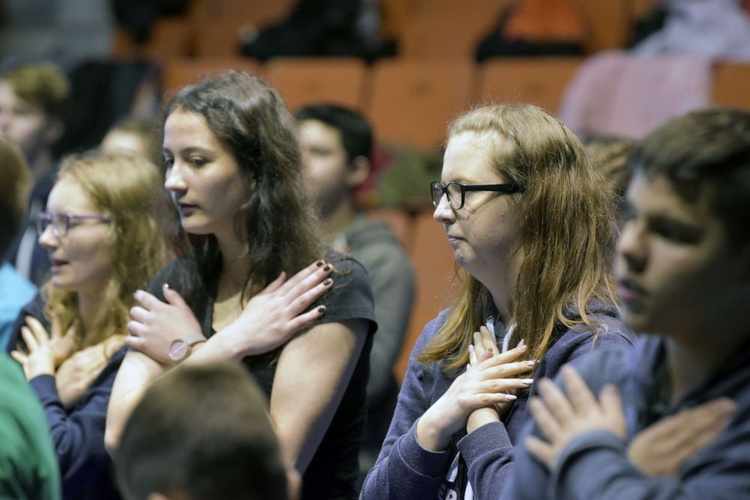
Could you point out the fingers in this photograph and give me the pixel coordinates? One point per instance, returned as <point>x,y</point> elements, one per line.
<point>546,421</point>
<point>174,298</point>
<point>37,329</point>
<point>303,301</point>
<point>611,403</point>
<point>275,284</point>
<point>19,357</point>
<point>29,338</point>
<point>472,355</point>
<point>540,450</point>
<point>135,343</point>
<point>702,424</point>
<point>487,340</point>
<point>579,394</point>
<point>507,370</point>
<point>306,279</point>
<point>147,300</point>
<point>555,402</point>
<point>303,320</point>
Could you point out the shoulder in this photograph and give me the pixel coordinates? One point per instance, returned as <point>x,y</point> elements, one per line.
<point>351,296</point>
<point>576,343</point>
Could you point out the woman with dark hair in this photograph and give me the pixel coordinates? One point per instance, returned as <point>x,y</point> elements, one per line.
<point>236,180</point>
<point>531,227</point>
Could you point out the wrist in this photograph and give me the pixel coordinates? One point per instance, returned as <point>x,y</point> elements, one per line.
<point>430,436</point>
<point>181,348</point>
<point>480,417</point>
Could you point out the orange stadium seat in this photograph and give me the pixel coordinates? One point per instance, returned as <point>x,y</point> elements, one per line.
<point>313,80</point>
<point>413,101</point>
<point>540,81</point>
<point>169,37</point>
<point>178,72</point>
<point>731,81</point>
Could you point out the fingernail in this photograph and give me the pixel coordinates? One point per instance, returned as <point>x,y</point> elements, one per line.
<point>521,344</point>
<point>510,397</point>
<point>327,268</point>
<point>321,309</point>
<point>527,381</point>
<point>532,362</point>
<point>328,282</point>
<point>320,263</point>
<point>166,285</point>
<point>471,348</point>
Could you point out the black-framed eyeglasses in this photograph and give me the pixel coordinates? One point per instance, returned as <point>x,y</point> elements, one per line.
<point>60,221</point>
<point>457,192</point>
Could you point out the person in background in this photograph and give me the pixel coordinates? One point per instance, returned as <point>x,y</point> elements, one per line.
<point>134,137</point>
<point>531,227</point>
<point>235,176</point>
<point>681,397</point>
<point>104,242</point>
<point>33,103</point>
<point>15,184</point>
<point>336,145</point>
<point>28,467</point>
<point>200,433</point>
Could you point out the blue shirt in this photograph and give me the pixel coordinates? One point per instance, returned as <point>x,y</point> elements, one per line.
<point>15,292</point>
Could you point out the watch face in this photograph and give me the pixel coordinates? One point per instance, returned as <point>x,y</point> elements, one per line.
<point>178,350</point>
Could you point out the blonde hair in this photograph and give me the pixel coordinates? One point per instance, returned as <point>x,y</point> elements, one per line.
<point>567,233</point>
<point>126,189</point>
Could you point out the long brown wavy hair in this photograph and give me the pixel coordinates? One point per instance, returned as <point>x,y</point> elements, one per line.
<point>127,189</point>
<point>567,233</point>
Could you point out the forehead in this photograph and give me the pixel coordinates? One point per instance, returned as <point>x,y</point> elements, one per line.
<point>319,133</point>
<point>188,129</point>
<point>469,156</point>
<point>67,195</point>
<point>657,195</point>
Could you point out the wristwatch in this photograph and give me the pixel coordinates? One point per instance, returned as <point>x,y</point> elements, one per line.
<point>180,349</point>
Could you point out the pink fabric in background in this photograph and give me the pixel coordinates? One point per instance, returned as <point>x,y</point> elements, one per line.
<point>617,93</point>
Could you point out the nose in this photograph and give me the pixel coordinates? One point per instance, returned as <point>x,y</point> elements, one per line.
<point>631,247</point>
<point>48,239</point>
<point>174,180</point>
<point>443,212</point>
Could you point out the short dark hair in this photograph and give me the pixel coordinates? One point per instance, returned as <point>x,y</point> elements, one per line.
<point>355,130</point>
<point>702,149</point>
<point>15,182</point>
<point>205,431</point>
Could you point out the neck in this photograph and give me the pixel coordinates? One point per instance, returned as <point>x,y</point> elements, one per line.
<point>693,359</point>
<point>234,267</point>
<point>89,304</point>
<point>339,218</point>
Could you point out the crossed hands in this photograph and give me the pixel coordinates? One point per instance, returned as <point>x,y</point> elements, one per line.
<point>489,382</point>
<point>658,450</point>
<point>268,320</point>
<point>44,350</point>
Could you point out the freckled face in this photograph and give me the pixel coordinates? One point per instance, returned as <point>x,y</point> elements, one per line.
<point>485,232</point>
<point>675,266</point>
<point>202,177</point>
<point>81,260</point>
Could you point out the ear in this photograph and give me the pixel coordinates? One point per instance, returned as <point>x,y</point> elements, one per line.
<point>54,131</point>
<point>358,171</point>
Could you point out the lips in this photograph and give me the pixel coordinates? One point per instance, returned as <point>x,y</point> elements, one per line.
<point>57,263</point>
<point>629,291</point>
<point>186,208</point>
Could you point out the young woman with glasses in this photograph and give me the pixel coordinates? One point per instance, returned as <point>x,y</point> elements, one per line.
<point>234,172</point>
<point>103,242</point>
<point>531,228</point>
